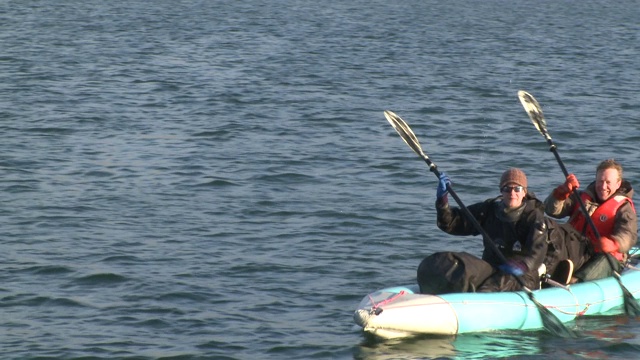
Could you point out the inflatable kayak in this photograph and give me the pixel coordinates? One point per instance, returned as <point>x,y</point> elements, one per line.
<point>402,311</point>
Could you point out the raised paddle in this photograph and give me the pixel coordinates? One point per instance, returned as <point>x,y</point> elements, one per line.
<point>531,106</point>
<point>549,321</point>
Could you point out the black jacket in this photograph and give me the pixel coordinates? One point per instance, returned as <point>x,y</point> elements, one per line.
<point>519,234</point>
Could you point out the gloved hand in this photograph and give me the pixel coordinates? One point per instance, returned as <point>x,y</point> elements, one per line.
<point>442,191</point>
<point>514,267</point>
<point>608,245</point>
<point>563,191</point>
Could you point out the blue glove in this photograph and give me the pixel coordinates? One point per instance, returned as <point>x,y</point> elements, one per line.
<point>442,186</point>
<point>514,267</point>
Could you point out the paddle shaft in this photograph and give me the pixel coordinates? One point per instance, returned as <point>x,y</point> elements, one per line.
<point>532,107</point>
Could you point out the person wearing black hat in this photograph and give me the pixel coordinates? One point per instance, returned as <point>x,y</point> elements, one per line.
<point>514,221</point>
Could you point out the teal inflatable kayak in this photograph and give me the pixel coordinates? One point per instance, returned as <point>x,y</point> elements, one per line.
<point>402,311</point>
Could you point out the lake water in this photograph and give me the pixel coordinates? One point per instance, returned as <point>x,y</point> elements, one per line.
<point>216,179</point>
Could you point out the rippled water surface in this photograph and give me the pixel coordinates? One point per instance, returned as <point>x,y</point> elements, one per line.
<point>216,179</point>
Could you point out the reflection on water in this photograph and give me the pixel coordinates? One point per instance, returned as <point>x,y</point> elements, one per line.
<point>599,337</point>
<point>464,346</point>
<point>606,335</point>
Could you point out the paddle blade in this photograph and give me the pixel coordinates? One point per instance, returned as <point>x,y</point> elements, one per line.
<point>551,322</point>
<point>534,111</point>
<point>405,132</point>
<point>631,307</point>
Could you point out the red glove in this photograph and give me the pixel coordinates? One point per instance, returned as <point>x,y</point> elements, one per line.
<point>562,191</point>
<point>608,245</point>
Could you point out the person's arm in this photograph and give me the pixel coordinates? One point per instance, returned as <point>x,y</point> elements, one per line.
<point>625,228</point>
<point>554,207</point>
<point>558,204</point>
<point>454,221</point>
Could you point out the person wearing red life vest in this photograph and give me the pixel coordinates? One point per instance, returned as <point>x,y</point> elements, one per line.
<point>609,203</point>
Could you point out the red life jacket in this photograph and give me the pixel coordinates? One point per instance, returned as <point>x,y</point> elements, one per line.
<point>603,218</point>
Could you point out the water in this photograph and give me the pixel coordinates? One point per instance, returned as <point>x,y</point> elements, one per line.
<point>215,179</point>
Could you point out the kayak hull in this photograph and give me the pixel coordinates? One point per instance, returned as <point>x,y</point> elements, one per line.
<point>402,311</point>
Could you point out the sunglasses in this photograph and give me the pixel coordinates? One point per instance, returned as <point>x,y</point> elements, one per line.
<point>507,189</point>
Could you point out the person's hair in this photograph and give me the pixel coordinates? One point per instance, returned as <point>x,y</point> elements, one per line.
<point>610,164</point>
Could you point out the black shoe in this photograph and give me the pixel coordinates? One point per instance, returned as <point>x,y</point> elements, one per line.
<point>563,272</point>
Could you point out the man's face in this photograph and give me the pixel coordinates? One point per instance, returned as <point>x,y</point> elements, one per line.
<point>607,183</point>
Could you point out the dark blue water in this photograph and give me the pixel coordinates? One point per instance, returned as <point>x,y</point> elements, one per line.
<point>216,179</point>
